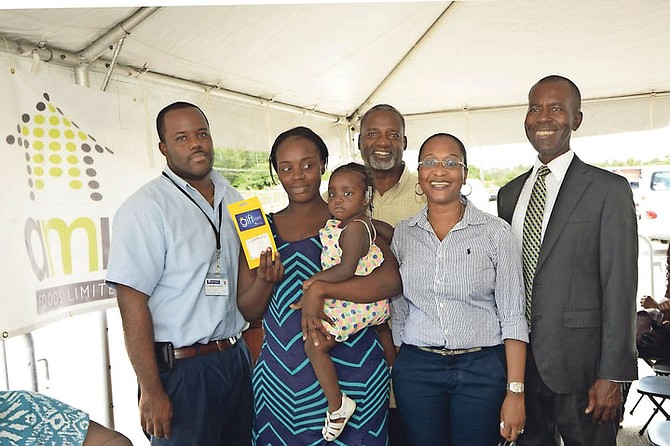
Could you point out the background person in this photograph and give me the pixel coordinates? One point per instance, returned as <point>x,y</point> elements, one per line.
<point>653,323</point>
<point>459,323</point>
<point>581,294</point>
<point>173,241</point>
<point>382,143</point>
<point>31,418</point>
<point>288,400</point>
<point>663,304</point>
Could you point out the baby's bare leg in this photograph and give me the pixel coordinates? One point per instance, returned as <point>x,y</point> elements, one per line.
<point>325,371</point>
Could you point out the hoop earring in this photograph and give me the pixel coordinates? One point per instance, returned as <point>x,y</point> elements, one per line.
<point>418,192</point>
<point>469,189</point>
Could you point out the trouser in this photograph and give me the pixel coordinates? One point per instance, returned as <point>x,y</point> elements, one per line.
<point>450,400</point>
<point>212,401</point>
<point>551,416</point>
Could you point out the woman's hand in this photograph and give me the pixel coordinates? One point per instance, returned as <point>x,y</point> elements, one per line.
<point>254,287</point>
<point>269,270</point>
<point>512,416</point>
<point>311,305</point>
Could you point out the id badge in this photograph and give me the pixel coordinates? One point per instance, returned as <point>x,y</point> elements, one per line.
<point>216,284</point>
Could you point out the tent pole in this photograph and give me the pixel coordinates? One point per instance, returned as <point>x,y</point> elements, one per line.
<point>115,58</point>
<point>81,75</point>
<point>5,367</point>
<point>356,115</point>
<point>121,30</point>
<point>73,60</point>
<point>107,368</point>
<point>585,101</point>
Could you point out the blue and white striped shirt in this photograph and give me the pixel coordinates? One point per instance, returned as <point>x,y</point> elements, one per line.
<point>462,292</point>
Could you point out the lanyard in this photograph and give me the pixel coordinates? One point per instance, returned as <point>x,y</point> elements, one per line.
<point>217,231</point>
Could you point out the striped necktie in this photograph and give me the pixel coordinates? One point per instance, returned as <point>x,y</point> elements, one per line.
<point>532,233</point>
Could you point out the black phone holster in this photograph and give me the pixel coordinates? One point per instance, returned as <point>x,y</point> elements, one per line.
<point>164,356</point>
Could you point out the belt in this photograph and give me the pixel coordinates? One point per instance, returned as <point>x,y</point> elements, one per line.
<point>449,352</point>
<point>205,349</point>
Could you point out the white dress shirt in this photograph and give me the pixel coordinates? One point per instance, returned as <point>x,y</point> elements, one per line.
<point>558,167</point>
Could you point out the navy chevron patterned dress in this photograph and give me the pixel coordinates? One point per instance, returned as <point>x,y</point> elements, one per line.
<point>289,404</point>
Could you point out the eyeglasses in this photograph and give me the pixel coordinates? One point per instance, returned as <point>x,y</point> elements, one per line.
<point>447,164</point>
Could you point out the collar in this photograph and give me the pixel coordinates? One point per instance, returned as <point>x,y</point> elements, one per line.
<point>216,178</point>
<point>471,216</point>
<point>558,166</point>
<point>405,177</point>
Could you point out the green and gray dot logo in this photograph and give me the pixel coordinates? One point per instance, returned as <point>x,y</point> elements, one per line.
<point>56,149</point>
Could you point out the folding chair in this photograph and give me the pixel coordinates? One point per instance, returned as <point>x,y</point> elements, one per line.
<point>659,433</point>
<point>661,367</point>
<point>655,387</point>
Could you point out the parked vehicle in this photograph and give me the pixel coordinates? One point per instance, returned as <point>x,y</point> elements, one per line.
<point>651,191</point>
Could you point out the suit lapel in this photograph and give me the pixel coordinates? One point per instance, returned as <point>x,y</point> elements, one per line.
<point>512,196</point>
<point>575,183</point>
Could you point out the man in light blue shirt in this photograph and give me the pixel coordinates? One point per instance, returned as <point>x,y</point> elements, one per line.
<point>173,262</point>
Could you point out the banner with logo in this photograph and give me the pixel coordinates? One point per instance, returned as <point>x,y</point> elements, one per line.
<point>70,156</point>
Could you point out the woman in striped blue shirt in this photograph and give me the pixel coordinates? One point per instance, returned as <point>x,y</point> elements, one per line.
<point>460,322</point>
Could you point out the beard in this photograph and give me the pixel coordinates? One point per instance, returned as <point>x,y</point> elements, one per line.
<point>382,164</point>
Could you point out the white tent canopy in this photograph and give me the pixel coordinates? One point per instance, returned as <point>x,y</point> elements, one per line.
<point>463,67</point>
<point>72,153</point>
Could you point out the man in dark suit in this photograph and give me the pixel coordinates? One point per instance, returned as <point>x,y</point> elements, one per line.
<point>581,298</point>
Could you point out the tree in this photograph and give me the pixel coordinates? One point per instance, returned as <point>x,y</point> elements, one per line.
<point>246,170</point>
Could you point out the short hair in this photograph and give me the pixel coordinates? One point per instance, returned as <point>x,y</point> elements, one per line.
<point>360,169</point>
<point>297,132</point>
<point>160,118</point>
<point>558,78</point>
<point>447,135</point>
<point>384,107</point>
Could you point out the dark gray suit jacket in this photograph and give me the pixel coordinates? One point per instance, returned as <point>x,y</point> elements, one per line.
<point>584,292</point>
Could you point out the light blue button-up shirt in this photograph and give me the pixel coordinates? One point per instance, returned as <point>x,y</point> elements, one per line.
<point>163,246</point>
<point>462,292</point>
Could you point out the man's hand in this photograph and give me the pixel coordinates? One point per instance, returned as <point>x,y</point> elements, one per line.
<point>604,400</point>
<point>155,414</point>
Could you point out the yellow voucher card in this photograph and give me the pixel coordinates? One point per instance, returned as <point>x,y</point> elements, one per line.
<point>253,229</point>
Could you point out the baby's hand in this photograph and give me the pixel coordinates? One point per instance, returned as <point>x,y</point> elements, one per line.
<point>297,305</point>
<point>307,283</point>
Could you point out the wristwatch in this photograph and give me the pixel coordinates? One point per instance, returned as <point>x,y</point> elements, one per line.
<point>515,387</point>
